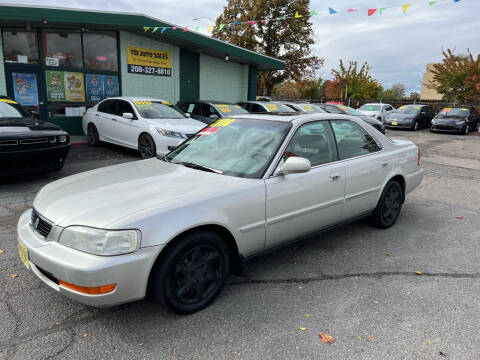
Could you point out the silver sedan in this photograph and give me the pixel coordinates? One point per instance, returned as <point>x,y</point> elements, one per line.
<point>176,226</point>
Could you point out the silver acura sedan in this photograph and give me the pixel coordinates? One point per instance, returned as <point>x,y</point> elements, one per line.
<point>176,226</point>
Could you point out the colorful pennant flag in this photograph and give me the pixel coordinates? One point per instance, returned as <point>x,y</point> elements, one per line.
<point>370,12</point>
<point>185,29</point>
<point>332,11</point>
<point>432,3</point>
<point>163,30</point>
<point>197,28</point>
<point>381,10</point>
<point>220,28</point>
<point>155,29</point>
<point>405,7</point>
<point>251,22</point>
<point>263,21</point>
<point>313,13</point>
<point>174,28</point>
<point>146,28</point>
<point>209,28</point>
<point>297,15</point>
<point>351,10</point>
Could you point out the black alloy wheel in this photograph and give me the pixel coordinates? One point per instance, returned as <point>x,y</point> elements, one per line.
<point>146,146</point>
<point>389,206</point>
<point>92,135</point>
<point>192,273</point>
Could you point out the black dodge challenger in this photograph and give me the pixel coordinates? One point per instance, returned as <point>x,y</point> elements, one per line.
<point>28,144</point>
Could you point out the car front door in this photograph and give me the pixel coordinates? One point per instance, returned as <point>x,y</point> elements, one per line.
<point>365,164</point>
<point>106,110</point>
<point>299,204</point>
<point>125,131</point>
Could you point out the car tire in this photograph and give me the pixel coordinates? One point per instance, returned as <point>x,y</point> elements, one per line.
<point>389,205</point>
<point>466,130</point>
<point>191,273</point>
<point>92,135</point>
<point>146,146</point>
<point>416,126</point>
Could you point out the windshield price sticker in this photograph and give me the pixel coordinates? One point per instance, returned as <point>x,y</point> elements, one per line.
<point>142,103</point>
<point>272,107</point>
<point>222,123</point>
<point>208,131</point>
<point>416,107</point>
<point>403,107</point>
<point>167,103</point>
<point>464,109</point>
<point>8,101</point>
<point>308,107</point>
<point>342,107</point>
<point>224,108</point>
<point>447,110</point>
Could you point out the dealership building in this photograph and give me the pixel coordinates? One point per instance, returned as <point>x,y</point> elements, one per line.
<point>59,62</point>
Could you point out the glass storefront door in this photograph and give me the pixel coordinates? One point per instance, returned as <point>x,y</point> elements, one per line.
<point>26,84</point>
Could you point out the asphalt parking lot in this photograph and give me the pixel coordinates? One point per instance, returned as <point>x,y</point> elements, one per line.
<point>409,292</point>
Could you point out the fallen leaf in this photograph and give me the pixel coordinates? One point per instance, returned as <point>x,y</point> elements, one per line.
<point>459,217</point>
<point>302,328</point>
<point>15,275</point>
<point>2,251</point>
<point>307,315</point>
<point>442,354</point>
<point>418,272</point>
<point>429,342</point>
<point>58,323</point>
<point>370,336</point>
<point>326,338</point>
<point>140,344</point>
<point>375,301</point>
<point>300,288</point>
<point>356,277</point>
<point>85,335</point>
<point>387,254</point>
<point>359,337</point>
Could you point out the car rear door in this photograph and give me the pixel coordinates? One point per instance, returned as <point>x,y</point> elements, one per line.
<point>299,204</point>
<point>366,167</point>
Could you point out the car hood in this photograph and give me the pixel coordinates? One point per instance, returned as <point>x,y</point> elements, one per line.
<point>370,120</point>
<point>186,126</point>
<point>99,198</point>
<point>370,113</point>
<point>400,116</point>
<point>448,119</point>
<point>25,125</point>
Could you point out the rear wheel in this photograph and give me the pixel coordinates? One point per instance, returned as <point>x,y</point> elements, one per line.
<point>146,146</point>
<point>192,273</point>
<point>388,208</point>
<point>92,135</point>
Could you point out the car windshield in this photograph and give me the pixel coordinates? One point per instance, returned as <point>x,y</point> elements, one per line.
<point>231,109</point>
<point>11,109</point>
<point>236,147</point>
<point>277,107</point>
<point>158,110</point>
<point>370,107</point>
<point>311,108</point>
<point>408,109</point>
<point>349,111</point>
<point>454,112</point>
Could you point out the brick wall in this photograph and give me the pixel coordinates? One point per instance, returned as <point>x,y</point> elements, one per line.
<point>162,87</point>
<point>222,80</point>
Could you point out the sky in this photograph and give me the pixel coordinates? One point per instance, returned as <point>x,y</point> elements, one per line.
<point>397,46</point>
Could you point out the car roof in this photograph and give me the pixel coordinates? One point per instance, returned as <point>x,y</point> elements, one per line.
<point>296,116</point>
<point>376,104</point>
<point>214,102</point>
<point>135,98</point>
<point>419,105</point>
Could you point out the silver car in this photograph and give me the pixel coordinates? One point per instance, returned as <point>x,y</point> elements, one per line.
<point>176,226</point>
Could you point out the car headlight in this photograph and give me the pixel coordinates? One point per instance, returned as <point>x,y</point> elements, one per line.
<point>52,139</point>
<point>100,242</point>
<point>170,133</point>
<point>62,138</point>
<point>461,122</point>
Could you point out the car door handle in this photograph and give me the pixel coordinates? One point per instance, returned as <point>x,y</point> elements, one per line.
<point>334,177</point>
<point>385,164</point>
<point>97,115</point>
<point>114,119</point>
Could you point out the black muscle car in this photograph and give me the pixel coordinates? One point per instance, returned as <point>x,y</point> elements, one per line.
<point>458,120</point>
<point>28,144</point>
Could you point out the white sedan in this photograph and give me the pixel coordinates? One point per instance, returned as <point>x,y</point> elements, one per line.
<point>176,226</point>
<point>377,111</point>
<point>151,126</point>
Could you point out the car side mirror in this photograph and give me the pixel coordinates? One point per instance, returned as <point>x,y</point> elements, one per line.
<point>128,116</point>
<point>295,165</point>
<point>188,114</point>
<point>35,114</point>
<point>213,117</point>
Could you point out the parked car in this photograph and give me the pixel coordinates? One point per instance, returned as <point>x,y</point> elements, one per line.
<point>304,107</point>
<point>151,126</point>
<point>256,107</point>
<point>376,110</point>
<point>458,120</point>
<point>209,111</point>
<point>347,110</point>
<point>176,226</point>
<point>28,144</point>
<point>412,117</point>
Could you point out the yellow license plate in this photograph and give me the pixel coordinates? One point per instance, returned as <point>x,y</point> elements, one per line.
<point>23,252</point>
<point>394,123</point>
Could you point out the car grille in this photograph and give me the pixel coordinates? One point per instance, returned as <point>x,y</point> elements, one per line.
<point>8,142</point>
<point>33,141</point>
<point>40,225</point>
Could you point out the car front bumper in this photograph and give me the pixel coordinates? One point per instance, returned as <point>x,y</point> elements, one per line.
<point>449,128</point>
<point>399,125</point>
<point>51,261</point>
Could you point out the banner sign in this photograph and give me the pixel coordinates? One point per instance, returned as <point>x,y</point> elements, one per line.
<point>25,89</point>
<point>55,85</point>
<point>149,62</point>
<point>100,87</point>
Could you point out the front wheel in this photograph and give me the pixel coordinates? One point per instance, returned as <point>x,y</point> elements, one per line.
<point>415,126</point>
<point>466,130</point>
<point>388,208</point>
<point>146,146</point>
<point>192,273</point>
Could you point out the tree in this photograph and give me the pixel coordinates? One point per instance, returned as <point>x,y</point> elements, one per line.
<point>414,95</point>
<point>288,40</point>
<point>396,92</point>
<point>351,82</point>
<point>457,77</point>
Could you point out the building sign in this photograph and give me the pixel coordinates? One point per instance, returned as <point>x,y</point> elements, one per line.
<point>65,86</point>
<point>100,87</point>
<point>25,89</point>
<point>149,62</point>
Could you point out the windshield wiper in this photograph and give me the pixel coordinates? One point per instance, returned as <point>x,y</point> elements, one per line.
<point>199,167</point>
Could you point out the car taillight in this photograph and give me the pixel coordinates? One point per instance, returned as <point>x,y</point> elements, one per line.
<point>418,158</point>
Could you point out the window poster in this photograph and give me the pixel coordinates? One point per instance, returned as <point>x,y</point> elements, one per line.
<point>25,89</point>
<point>55,85</point>
<point>100,87</point>
<point>74,87</point>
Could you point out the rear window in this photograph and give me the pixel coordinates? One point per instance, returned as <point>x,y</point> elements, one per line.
<point>277,107</point>
<point>454,112</point>
<point>11,109</point>
<point>230,109</point>
<point>368,107</point>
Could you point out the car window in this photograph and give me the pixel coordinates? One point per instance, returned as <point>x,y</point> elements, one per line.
<point>333,109</point>
<point>182,106</point>
<point>158,110</point>
<point>11,109</point>
<point>108,107</point>
<point>229,109</point>
<point>256,108</point>
<point>209,110</point>
<point>124,107</point>
<point>194,108</point>
<point>388,108</point>
<point>313,141</point>
<point>352,139</point>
